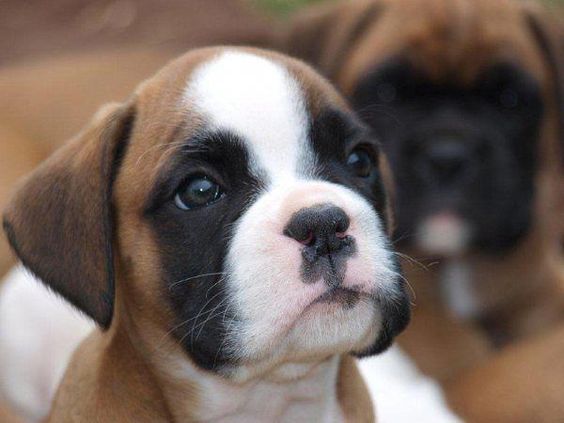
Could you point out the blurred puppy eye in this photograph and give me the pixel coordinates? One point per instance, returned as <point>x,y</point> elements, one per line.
<point>198,191</point>
<point>386,92</point>
<point>509,99</point>
<point>360,162</point>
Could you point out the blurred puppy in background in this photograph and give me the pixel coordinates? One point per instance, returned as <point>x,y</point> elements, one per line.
<point>466,97</point>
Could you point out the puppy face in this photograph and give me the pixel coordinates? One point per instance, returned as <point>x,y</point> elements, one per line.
<point>464,153</point>
<point>270,218</point>
<point>460,94</point>
<point>249,216</point>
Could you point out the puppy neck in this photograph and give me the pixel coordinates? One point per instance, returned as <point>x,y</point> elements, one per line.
<point>457,289</point>
<point>287,393</point>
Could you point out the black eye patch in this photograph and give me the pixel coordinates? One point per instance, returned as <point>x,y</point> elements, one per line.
<point>220,157</point>
<point>510,88</point>
<point>192,244</point>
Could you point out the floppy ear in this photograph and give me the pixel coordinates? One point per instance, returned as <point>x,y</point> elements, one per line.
<point>59,221</point>
<point>324,35</point>
<point>550,40</point>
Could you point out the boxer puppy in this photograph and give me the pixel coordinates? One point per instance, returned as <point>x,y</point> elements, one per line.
<point>466,97</point>
<point>226,229</point>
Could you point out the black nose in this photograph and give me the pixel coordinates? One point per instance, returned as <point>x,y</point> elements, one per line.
<point>321,228</point>
<point>448,159</point>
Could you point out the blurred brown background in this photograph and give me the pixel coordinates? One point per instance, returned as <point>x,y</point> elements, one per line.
<point>41,28</point>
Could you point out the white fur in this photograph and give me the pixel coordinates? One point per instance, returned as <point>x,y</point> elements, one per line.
<point>293,393</point>
<point>38,333</point>
<point>457,289</point>
<point>257,99</point>
<point>445,234</point>
<point>401,393</point>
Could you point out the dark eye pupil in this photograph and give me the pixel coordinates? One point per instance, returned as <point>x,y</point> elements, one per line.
<point>360,163</point>
<point>198,192</point>
<point>386,92</point>
<point>509,99</point>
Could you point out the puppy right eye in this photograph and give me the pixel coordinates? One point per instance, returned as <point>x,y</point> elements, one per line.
<point>198,191</point>
<point>386,92</point>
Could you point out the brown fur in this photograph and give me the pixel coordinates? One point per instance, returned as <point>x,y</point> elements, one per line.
<point>6,416</point>
<point>131,371</point>
<point>353,393</point>
<point>508,388</point>
<point>523,294</point>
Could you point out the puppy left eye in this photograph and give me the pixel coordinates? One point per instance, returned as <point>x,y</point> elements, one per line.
<point>361,163</point>
<point>386,92</point>
<point>509,99</point>
<point>199,191</point>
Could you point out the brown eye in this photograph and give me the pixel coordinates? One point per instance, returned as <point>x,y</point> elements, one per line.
<point>360,163</point>
<point>199,191</point>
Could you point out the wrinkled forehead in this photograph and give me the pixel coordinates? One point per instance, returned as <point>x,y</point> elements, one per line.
<point>260,101</point>
<point>446,39</point>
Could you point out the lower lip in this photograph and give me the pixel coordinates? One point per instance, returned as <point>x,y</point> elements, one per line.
<point>341,297</point>
<point>322,305</point>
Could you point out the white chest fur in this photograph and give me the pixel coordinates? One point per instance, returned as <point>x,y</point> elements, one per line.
<point>458,291</point>
<point>279,397</point>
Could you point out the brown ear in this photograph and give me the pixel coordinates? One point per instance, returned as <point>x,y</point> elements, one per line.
<point>324,35</point>
<point>59,221</point>
<point>550,40</point>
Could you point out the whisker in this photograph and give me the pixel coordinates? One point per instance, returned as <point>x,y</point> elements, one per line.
<point>202,309</point>
<point>210,316</point>
<point>403,237</point>
<point>224,342</point>
<point>412,260</point>
<point>203,275</point>
<point>403,278</point>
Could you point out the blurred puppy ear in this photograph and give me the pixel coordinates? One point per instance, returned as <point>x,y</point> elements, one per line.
<point>60,220</point>
<point>550,39</point>
<point>324,35</point>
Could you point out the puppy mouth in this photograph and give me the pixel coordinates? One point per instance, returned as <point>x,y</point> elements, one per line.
<point>444,234</point>
<point>346,297</point>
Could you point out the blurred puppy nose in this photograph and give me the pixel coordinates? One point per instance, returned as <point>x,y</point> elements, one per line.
<point>321,228</point>
<point>448,159</point>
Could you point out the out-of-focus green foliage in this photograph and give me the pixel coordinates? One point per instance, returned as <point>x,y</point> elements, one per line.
<point>283,7</point>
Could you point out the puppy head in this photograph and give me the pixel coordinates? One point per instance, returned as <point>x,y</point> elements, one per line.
<point>466,98</point>
<point>242,207</point>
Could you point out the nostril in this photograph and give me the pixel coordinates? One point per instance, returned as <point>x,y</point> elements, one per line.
<point>308,240</point>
